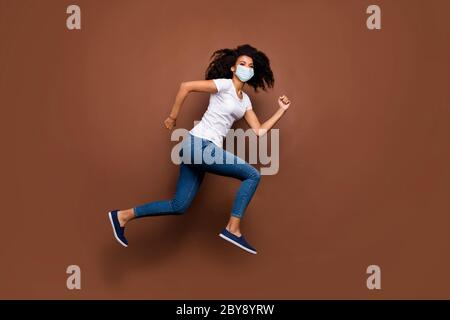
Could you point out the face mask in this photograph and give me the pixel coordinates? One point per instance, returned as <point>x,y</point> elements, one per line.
<point>244,73</point>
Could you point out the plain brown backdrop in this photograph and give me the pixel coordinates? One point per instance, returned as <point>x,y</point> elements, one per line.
<point>364,161</point>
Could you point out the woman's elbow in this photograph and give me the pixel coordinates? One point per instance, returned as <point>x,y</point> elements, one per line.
<point>259,131</point>
<point>262,132</point>
<point>184,86</point>
<point>256,131</point>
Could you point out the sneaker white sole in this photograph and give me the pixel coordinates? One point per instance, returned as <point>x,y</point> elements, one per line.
<point>114,230</point>
<point>237,244</point>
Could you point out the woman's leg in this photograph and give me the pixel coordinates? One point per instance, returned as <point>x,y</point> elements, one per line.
<point>224,163</point>
<point>188,183</point>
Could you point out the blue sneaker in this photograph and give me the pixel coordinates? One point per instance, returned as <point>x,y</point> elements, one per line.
<point>119,232</point>
<point>238,241</point>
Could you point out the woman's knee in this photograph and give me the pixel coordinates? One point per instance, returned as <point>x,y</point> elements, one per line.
<point>179,207</point>
<point>254,174</point>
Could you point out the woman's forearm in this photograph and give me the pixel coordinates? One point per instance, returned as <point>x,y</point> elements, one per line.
<point>267,125</point>
<point>179,99</point>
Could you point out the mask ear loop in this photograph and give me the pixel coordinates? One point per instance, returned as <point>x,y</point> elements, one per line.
<point>252,72</point>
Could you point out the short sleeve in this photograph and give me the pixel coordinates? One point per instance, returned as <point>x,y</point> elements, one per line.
<point>248,103</point>
<point>222,84</point>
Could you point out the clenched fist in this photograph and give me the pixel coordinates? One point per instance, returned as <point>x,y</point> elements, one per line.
<point>284,102</point>
<point>170,123</point>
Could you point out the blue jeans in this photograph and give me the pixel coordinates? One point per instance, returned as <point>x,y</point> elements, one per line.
<point>199,156</point>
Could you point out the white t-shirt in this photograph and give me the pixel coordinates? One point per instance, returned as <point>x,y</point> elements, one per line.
<point>224,108</point>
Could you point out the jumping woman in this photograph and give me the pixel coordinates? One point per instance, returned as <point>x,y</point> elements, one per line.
<point>225,77</point>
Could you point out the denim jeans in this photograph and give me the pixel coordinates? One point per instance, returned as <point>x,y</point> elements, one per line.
<point>199,156</point>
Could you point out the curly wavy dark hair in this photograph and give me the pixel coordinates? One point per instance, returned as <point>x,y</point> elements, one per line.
<point>224,59</point>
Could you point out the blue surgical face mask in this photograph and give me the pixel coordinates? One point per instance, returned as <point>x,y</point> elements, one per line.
<point>244,73</point>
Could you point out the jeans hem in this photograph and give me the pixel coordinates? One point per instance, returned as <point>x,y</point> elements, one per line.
<point>236,215</point>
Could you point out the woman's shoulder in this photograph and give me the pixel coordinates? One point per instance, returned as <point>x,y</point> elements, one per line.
<point>224,80</point>
<point>223,83</point>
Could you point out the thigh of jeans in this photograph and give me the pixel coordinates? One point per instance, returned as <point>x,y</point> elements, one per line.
<point>191,149</point>
<point>219,161</point>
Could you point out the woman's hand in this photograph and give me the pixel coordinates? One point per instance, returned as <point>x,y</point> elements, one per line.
<point>284,102</point>
<point>170,122</point>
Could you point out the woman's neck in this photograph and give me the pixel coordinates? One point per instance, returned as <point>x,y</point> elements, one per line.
<point>238,84</point>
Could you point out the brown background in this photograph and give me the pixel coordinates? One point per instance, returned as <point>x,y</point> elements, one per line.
<point>364,171</point>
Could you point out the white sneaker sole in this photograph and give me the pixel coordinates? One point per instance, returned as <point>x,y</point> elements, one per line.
<point>114,230</point>
<point>237,244</point>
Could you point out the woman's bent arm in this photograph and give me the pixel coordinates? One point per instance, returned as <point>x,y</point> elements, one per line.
<point>185,88</point>
<point>261,129</point>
